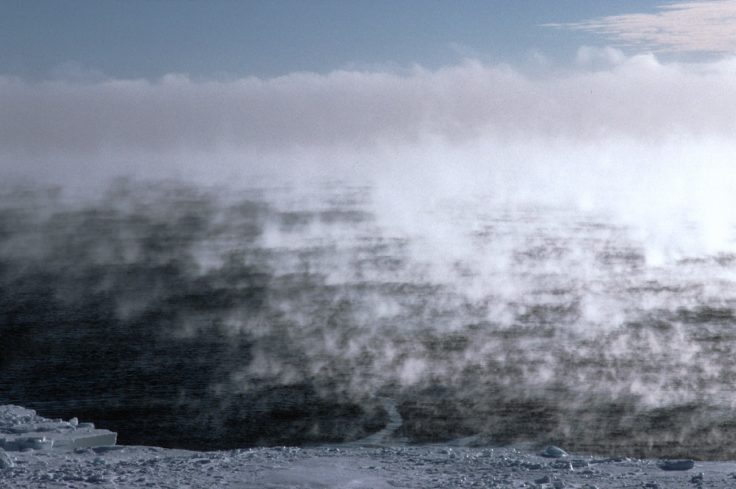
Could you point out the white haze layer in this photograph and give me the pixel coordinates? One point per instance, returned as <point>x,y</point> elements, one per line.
<point>646,142</point>
<point>525,197</point>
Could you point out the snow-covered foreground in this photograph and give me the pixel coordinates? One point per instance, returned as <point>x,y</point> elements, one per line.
<point>367,467</point>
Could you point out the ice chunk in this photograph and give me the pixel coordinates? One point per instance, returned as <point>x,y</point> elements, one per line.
<point>33,442</point>
<point>676,464</point>
<point>553,452</point>
<point>5,461</point>
<point>23,429</point>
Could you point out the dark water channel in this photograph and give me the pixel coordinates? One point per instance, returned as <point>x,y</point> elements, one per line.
<point>182,317</point>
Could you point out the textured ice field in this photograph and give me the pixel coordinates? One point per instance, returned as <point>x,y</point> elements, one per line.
<point>338,467</point>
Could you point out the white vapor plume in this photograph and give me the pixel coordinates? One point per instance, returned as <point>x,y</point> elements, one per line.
<point>635,97</point>
<point>505,235</point>
<point>642,139</point>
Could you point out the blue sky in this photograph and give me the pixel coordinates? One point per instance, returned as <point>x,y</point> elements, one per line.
<point>149,38</point>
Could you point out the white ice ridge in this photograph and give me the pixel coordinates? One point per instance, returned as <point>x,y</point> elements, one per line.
<point>22,428</point>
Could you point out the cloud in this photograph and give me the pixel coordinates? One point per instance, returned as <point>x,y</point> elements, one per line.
<point>696,26</point>
<point>645,139</point>
<point>608,94</point>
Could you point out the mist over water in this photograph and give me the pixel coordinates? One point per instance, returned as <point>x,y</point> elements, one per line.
<point>200,316</point>
<point>528,255</point>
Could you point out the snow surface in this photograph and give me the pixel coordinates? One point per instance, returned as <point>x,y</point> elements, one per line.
<point>344,466</point>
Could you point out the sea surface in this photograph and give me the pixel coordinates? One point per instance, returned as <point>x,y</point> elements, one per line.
<point>197,317</point>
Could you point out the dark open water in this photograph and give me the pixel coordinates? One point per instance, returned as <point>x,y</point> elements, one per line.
<point>197,318</point>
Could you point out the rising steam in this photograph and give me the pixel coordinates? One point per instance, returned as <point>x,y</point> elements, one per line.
<point>500,251</point>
